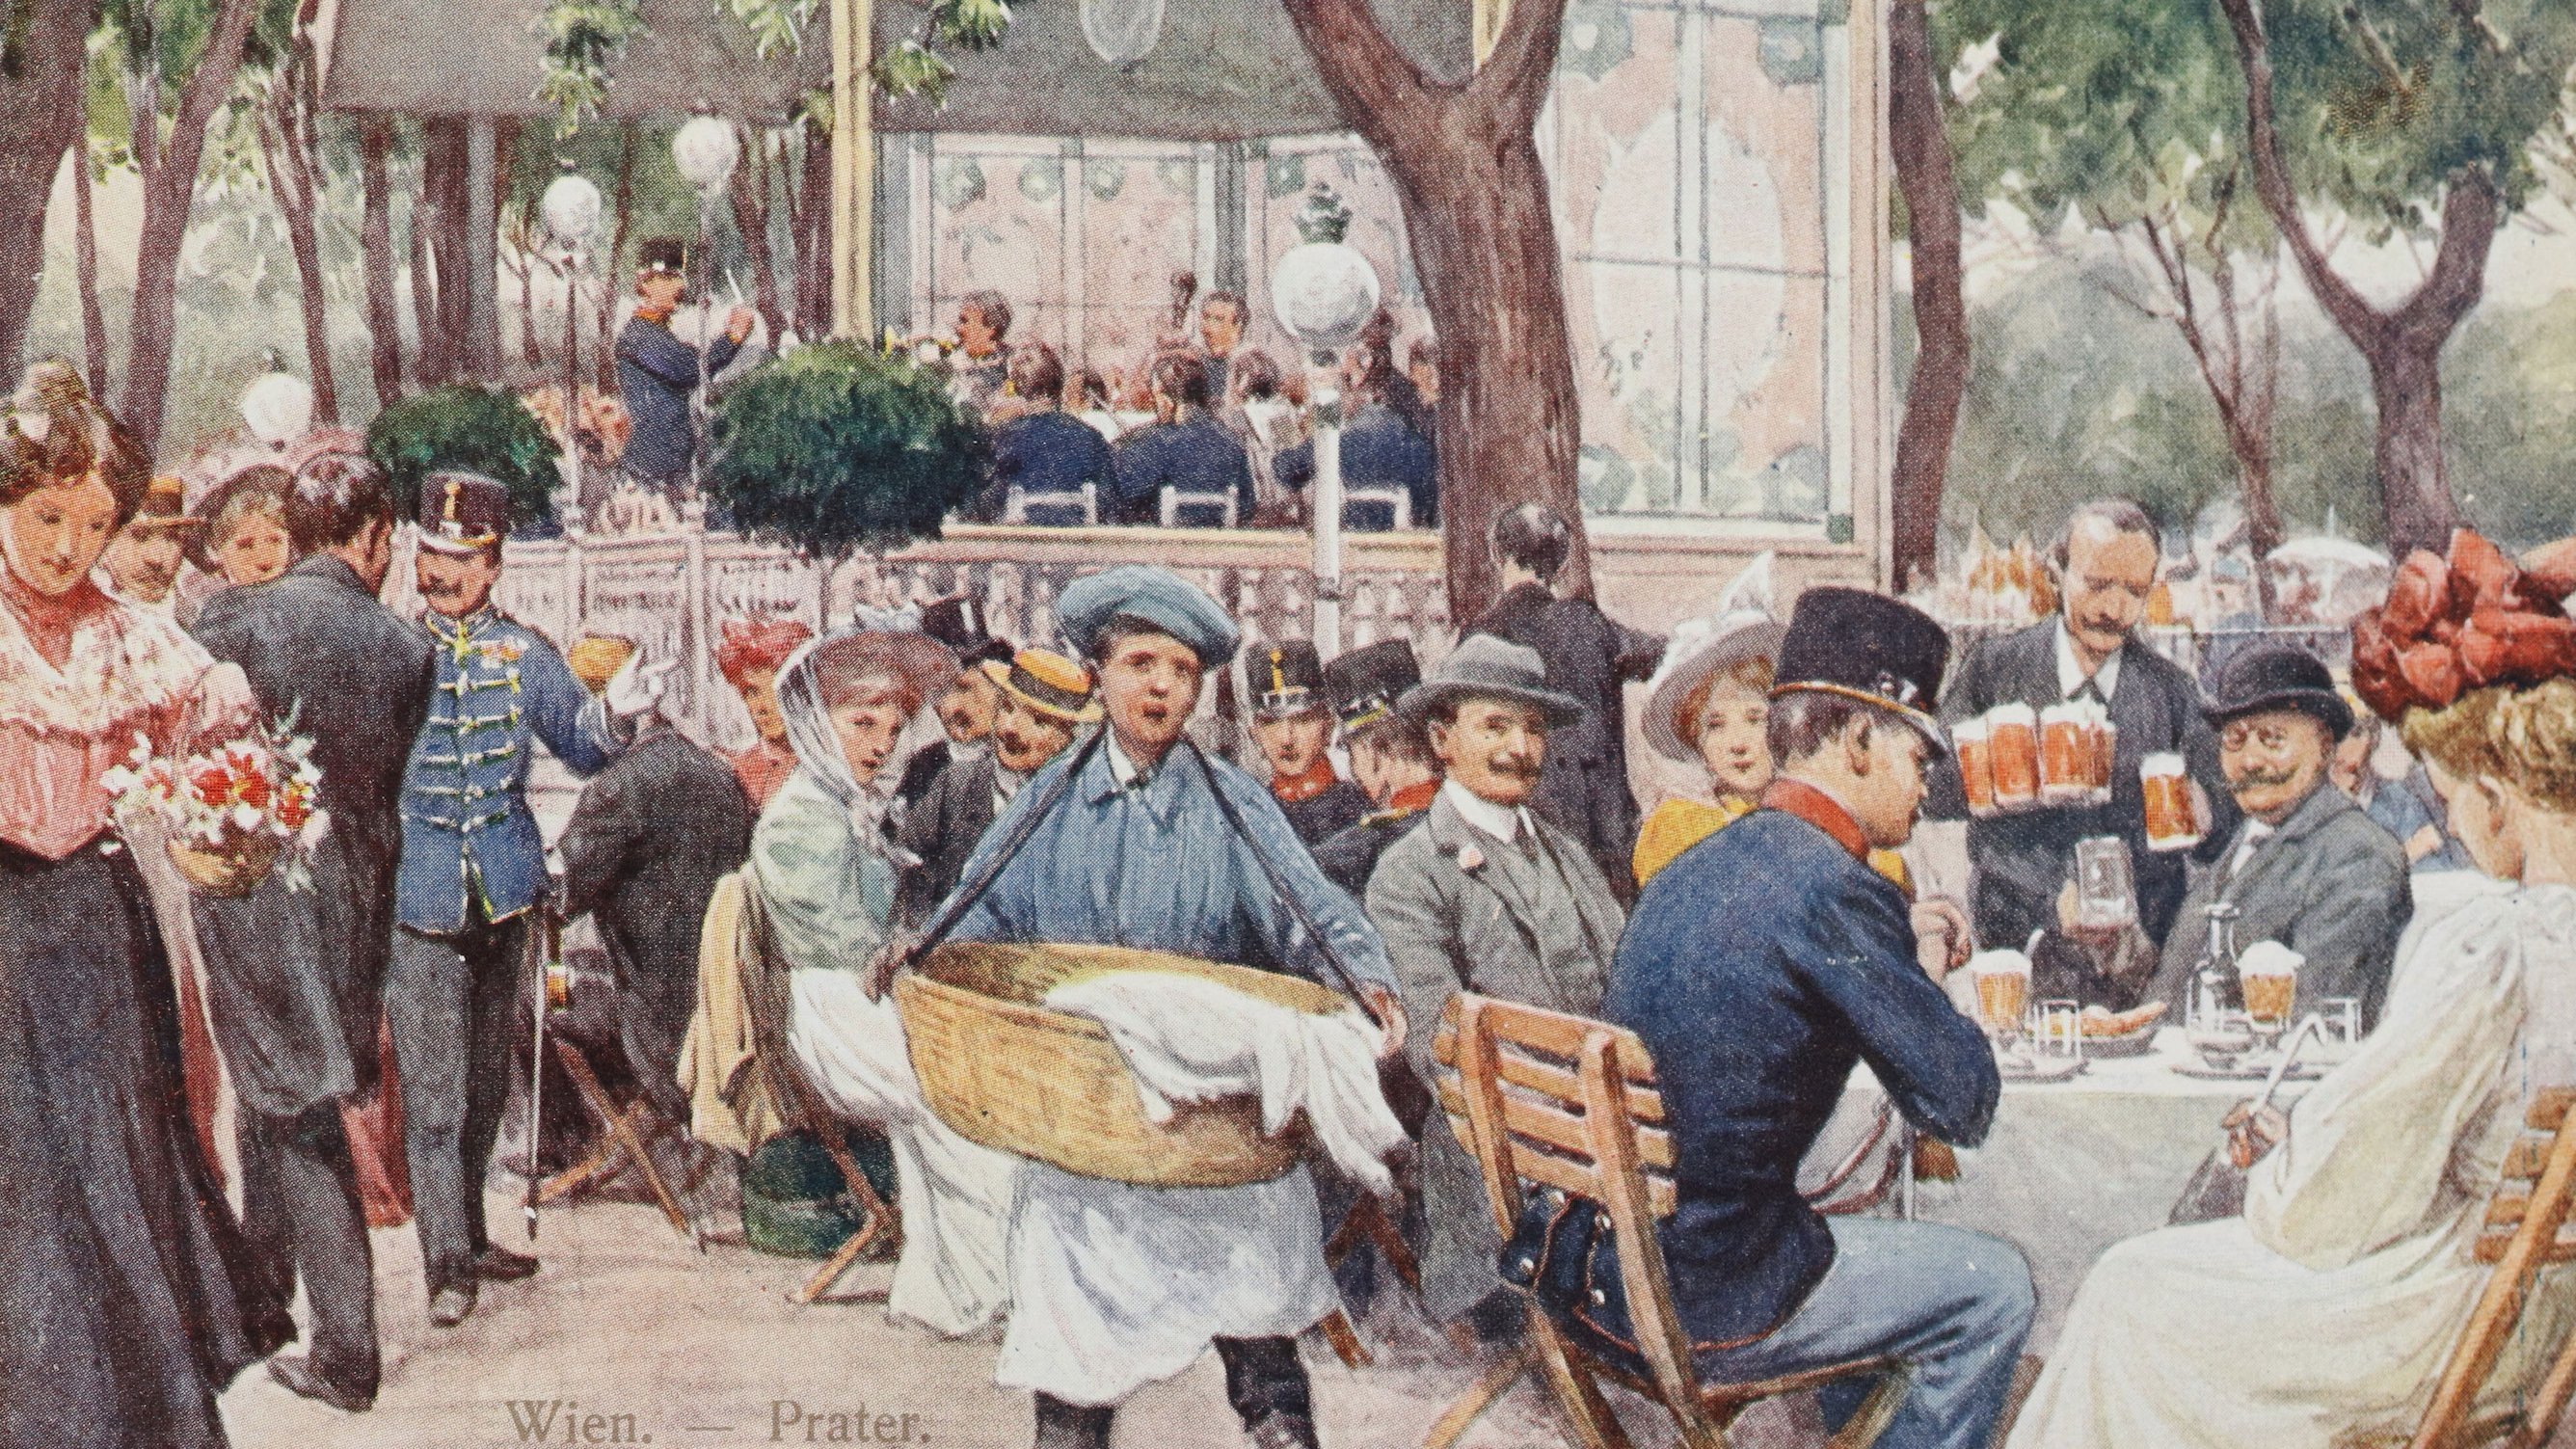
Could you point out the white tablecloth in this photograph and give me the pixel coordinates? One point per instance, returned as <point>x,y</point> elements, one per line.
<point>2071,1167</point>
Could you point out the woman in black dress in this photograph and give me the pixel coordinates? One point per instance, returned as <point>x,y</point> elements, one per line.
<point>122,1310</point>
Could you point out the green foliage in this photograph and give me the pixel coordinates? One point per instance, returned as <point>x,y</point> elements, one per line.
<point>467,429</point>
<point>910,68</point>
<point>2510,420</point>
<point>838,447</point>
<point>777,27</point>
<point>584,38</point>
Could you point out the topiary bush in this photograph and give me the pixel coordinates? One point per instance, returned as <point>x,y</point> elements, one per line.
<point>471,430</point>
<point>837,447</point>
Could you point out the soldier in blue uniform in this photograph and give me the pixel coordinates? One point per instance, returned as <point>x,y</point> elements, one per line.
<point>1759,969</point>
<point>473,868</point>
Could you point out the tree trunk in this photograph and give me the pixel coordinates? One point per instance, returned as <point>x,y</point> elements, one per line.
<point>612,263</point>
<point>430,361</point>
<point>2263,530</point>
<point>446,177</point>
<point>750,197</point>
<point>1507,421</point>
<point>286,140</point>
<point>376,252</point>
<point>1920,145</point>
<point>2414,484</point>
<point>1465,161</point>
<point>169,196</point>
<point>814,236</point>
<point>41,86</point>
<point>85,267</point>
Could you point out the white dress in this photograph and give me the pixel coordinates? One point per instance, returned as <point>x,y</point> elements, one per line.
<point>2332,1304</point>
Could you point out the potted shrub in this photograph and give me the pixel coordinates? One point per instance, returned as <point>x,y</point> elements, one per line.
<point>837,447</point>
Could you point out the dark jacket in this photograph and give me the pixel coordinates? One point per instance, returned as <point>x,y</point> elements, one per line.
<point>1759,969</point>
<point>2329,883</point>
<point>1051,453</point>
<point>297,975</point>
<point>1585,787</point>
<point>2023,859</point>
<point>1321,817</point>
<point>656,373</point>
<point>942,829</point>
<point>652,835</point>
<point>1350,856</point>
<point>1379,450</point>
<point>1198,457</point>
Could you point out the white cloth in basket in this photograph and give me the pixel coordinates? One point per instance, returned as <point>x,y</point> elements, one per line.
<point>955,1195</point>
<point>1188,1040</point>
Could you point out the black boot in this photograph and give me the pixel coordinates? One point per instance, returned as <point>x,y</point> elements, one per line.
<point>1266,1382</point>
<point>1073,1426</point>
<point>1283,1430</point>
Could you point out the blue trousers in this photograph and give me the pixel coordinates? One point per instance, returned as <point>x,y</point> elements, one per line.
<point>1951,1306</point>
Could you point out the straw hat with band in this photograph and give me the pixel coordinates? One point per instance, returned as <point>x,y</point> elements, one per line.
<point>1047,682</point>
<point>1487,667</point>
<point>1867,647</point>
<point>164,506</point>
<point>1700,650</point>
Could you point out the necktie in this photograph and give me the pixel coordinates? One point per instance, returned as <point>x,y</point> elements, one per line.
<point>2089,692</point>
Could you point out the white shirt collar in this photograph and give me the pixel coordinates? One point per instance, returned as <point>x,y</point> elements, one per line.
<point>2256,832</point>
<point>1503,822</point>
<point>1006,784</point>
<point>1121,769</point>
<point>2070,670</point>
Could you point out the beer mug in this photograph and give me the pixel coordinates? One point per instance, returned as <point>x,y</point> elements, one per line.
<point>1976,766</point>
<point>2065,755</point>
<point>2106,894</point>
<point>2342,1018</point>
<point>2268,974</point>
<point>2003,993</point>
<point>2105,739</point>
<point>2012,740</point>
<point>2172,823</point>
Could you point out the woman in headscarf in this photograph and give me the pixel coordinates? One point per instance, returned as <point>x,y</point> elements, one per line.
<point>827,870</point>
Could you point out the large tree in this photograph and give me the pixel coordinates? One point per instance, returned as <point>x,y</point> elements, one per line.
<point>43,63</point>
<point>2408,117</point>
<point>1919,144</point>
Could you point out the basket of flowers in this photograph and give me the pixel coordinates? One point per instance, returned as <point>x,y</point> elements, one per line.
<point>229,814</point>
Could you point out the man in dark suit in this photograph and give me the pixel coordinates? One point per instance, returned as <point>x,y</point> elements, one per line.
<point>652,835</point>
<point>2105,564</point>
<point>1046,453</point>
<point>1380,449</point>
<point>1759,969</point>
<point>1391,759</point>
<point>297,971</point>
<point>1292,724</point>
<point>1045,697</point>
<point>1590,657</point>
<point>1185,449</point>
<point>2307,868</point>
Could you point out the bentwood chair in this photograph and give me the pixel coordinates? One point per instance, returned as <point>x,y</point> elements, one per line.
<point>2525,1234</point>
<point>1570,1106</point>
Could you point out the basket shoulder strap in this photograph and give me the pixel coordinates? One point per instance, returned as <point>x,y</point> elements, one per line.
<point>1279,884</point>
<point>1003,854</point>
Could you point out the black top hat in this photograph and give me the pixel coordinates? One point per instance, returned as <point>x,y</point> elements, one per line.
<point>2277,676</point>
<point>662,254</point>
<point>1868,647</point>
<point>463,512</point>
<point>958,621</point>
<point>1486,666</point>
<point>1364,684</point>
<point>1287,677</point>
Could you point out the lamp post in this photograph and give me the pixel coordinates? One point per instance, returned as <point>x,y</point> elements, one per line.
<point>570,212</point>
<point>1324,292</point>
<point>706,149</point>
<point>277,407</point>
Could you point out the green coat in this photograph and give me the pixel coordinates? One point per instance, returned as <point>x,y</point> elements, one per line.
<point>829,895</point>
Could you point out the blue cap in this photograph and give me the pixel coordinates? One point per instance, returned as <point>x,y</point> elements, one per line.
<point>1149,595</point>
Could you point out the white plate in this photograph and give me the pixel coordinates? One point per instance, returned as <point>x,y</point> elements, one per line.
<point>2133,1044</point>
<point>2253,1071</point>
<point>2043,1069</point>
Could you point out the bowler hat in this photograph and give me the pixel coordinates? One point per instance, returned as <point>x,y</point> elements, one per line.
<point>164,506</point>
<point>1485,666</point>
<point>2277,676</point>
<point>463,512</point>
<point>1287,678</point>
<point>1364,684</point>
<point>1867,647</point>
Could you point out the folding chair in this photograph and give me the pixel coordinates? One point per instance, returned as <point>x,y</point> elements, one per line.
<point>625,1133</point>
<point>1397,502</point>
<point>1569,1104</point>
<point>2525,1233</point>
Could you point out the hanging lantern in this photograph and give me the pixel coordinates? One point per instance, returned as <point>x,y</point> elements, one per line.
<point>277,406</point>
<point>1324,291</point>
<point>706,150</point>
<point>1122,32</point>
<point>570,209</point>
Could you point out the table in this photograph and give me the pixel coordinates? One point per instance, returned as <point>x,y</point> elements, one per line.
<point>2070,1167</point>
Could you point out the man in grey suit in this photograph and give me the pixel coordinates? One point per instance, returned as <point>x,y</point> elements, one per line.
<point>297,971</point>
<point>2105,564</point>
<point>1487,896</point>
<point>2307,868</point>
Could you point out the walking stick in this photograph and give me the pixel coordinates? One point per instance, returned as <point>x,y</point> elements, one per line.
<point>542,951</point>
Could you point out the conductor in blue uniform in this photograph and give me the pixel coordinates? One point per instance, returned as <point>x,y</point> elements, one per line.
<point>1759,969</point>
<point>473,867</point>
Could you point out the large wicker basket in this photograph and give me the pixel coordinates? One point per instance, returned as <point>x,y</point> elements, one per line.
<point>1006,1072</point>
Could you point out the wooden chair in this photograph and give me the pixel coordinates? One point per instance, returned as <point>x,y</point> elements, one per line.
<point>1017,502</point>
<point>1173,501</point>
<point>2525,1233</point>
<point>1570,1105</point>
<point>625,1134</point>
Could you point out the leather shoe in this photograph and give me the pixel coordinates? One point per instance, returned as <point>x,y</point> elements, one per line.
<point>500,1265</point>
<point>450,1303</point>
<point>297,1373</point>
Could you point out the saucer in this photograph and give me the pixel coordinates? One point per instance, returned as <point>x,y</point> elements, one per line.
<point>2253,1070</point>
<point>2040,1069</point>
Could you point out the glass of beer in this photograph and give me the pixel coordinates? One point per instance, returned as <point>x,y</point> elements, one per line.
<point>2172,823</point>
<point>2059,1028</point>
<point>2003,996</point>
<point>2105,738</point>
<point>2012,737</point>
<point>1976,766</point>
<point>2065,755</point>
<point>2271,983</point>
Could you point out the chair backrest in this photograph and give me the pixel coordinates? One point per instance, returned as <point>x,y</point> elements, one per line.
<point>1571,1104</point>
<point>1174,500</point>
<point>2525,1232</point>
<point>1397,502</point>
<point>1084,500</point>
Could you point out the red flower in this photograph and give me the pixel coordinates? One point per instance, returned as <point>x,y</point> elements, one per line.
<point>213,786</point>
<point>253,790</point>
<point>292,812</point>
